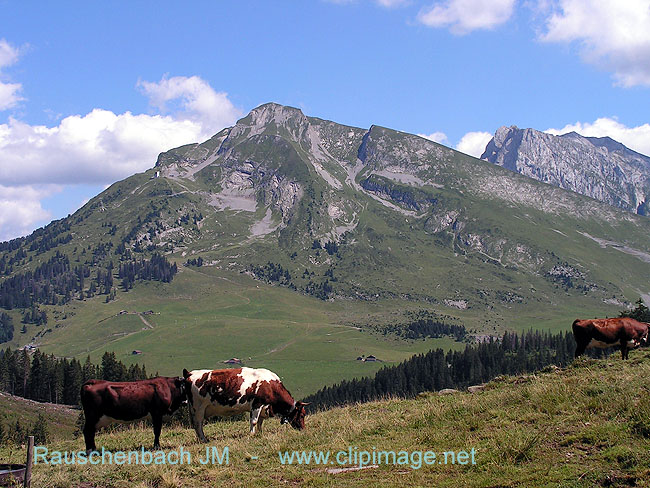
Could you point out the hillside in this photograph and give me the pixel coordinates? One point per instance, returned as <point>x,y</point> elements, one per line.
<point>598,167</point>
<point>586,425</point>
<point>61,419</point>
<point>299,242</point>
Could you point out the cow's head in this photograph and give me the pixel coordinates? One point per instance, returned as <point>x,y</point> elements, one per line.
<point>179,393</point>
<point>296,416</point>
<point>644,340</point>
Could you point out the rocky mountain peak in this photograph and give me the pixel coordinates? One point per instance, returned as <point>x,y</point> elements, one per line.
<point>273,113</point>
<point>271,116</point>
<point>502,134</point>
<point>598,167</point>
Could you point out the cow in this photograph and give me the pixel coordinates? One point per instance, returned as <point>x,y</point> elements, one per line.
<point>602,333</point>
<point>106,402</point>
<point>226,392</point>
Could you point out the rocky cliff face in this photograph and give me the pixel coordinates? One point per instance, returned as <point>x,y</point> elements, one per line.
<point>598,167</point>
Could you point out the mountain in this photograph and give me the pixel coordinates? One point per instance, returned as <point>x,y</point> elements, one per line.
<point>301,244</point>
<point>380,200</point>
<point>598,167</point>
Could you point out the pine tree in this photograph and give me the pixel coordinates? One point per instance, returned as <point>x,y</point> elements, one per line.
<point>39,430</point>
<point>89,371</point>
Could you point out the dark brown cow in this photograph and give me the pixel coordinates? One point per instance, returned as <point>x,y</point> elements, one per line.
<point>106,402</point>
<point>226,392</point>
<point>602,333</point>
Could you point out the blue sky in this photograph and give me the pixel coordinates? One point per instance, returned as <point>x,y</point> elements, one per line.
<point>91,92</point>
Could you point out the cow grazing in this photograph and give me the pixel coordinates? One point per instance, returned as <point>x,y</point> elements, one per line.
<point>226,392</point>
<point>106,402</point>
<point>602,333</point>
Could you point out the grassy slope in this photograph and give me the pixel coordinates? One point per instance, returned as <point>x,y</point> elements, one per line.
<point>61,419</point>
<point>204,317</point>
<point>587,425</point>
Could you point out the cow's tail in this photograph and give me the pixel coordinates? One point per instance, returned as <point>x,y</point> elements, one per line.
<point>573,326</point>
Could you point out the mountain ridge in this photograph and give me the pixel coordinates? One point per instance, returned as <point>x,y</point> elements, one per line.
<point>598,167</point>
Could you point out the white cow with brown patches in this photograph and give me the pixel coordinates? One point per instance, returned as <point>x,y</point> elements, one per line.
<point>226,392</point>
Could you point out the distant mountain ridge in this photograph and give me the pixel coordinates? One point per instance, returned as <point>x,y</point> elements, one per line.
<point>598,167</point>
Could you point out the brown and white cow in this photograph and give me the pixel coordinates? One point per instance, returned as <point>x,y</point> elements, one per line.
<point>602,333</point>
<point>107,402</point>
<point>226,392</point>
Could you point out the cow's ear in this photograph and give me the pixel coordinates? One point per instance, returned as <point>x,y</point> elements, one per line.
<point>186,374</point>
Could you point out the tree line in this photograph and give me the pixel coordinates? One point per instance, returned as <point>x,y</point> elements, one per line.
<point>157,268</point>
<point>477,363</point>
<point>16,432</point>
<point>427,327</point>
<point>45,378</point>
<point>6,328</point>
<point>55,282</point>
<point>640,312</point>
<point>49,280</point>
<point>42,236</point>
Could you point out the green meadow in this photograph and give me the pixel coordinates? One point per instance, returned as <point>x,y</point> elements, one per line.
<point>204,317</point>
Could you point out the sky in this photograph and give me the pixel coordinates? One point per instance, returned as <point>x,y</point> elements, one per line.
<point>92,92</point>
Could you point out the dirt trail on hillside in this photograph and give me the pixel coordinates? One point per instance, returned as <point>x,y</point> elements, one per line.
<point>145,322</point>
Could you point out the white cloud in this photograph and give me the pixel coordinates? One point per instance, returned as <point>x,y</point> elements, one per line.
<point>9,92</point>
<point>8,54</point>
<point>636,138</point>
<point>439,137</point>
<point>95,148</point>
<point>464,16</point>
<point>473,143</point>
<point>612,34</point>
<point>197,99</point>
<point>21,210</point>
<point>101,147</point>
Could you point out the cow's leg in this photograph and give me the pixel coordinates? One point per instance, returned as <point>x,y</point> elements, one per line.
<point>89,434</point>
<point>624,349</point>
<point>265,413</point>
<point>580,349</point>
<point>255,418</point>
<point>157,427</point>
<point>197,415</point>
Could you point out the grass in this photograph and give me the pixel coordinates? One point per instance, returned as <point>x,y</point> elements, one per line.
<point>61,419</point>
<point>586,425</point>
<point>204,317</point>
